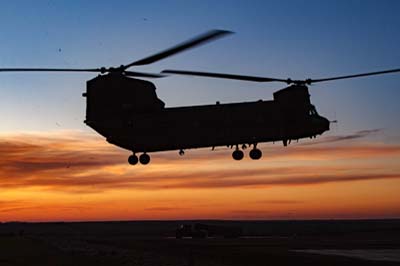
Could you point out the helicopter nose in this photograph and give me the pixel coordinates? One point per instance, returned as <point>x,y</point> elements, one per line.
<point>324,124</point>
<point>321,124</point>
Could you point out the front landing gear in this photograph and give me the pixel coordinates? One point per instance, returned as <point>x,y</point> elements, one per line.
<point>143,159</point>
<point>255,154</point>
<point>237,154</point>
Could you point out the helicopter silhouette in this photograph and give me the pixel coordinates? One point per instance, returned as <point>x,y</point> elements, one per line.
<point>128,113</point>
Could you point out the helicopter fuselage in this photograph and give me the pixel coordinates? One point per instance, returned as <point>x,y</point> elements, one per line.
<point>128,114</point>
<point>209,126</point>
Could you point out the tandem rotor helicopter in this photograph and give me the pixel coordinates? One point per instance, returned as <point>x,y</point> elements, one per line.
<point>128,113</point>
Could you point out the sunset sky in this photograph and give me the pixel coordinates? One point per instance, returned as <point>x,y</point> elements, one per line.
<point>54,168</point>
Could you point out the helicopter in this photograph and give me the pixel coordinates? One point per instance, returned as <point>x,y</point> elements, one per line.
<point>127,112</point>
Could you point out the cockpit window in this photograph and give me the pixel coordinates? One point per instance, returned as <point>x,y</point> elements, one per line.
<point>313,111</point>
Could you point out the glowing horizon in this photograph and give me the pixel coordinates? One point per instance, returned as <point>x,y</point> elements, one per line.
<point>70,176</point>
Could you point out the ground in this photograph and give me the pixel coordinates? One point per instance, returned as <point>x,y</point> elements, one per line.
<point>153,243</point>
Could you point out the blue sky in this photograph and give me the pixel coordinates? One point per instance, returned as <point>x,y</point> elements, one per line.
<point>297,39</point>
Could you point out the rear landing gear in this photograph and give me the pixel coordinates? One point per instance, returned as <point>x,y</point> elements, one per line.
<point>133,159</point>
<point>143,159</point>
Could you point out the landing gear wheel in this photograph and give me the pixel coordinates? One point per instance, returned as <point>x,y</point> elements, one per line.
<point>133,159</point>
<point>144,158</point>
<point>237,155</point>
<point>255,154</point>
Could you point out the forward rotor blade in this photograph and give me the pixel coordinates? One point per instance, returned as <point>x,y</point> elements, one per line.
<point>354,76</point>
<point>143,74</point>
<point>201,39</point>
<point>50,70</point>
<point>224,76</point>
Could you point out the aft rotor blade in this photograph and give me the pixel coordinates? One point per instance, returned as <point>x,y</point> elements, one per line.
<point>354,76</point>
<point>50,70</point>
<point>225,76</point>
<point>201,39</point>
<point>143,74</point>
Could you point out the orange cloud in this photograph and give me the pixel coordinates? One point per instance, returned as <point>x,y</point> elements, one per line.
<point>97,183</point>
<point>83,163</point>
<point>340,138</point>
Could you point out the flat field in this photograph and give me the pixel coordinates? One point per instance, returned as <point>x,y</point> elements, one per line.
<point>372,242</point>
